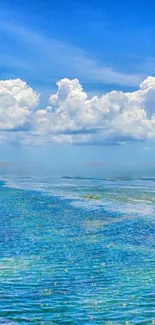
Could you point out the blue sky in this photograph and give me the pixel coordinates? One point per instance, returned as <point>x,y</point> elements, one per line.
<point>106,45</point>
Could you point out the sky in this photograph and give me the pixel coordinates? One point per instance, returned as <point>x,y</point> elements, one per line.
<point>77,87</point>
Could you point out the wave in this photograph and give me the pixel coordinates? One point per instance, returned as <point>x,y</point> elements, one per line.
<point>138,198</point>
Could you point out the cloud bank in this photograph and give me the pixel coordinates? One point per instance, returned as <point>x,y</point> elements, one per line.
<point>17,100</point>
<point>116,117</point>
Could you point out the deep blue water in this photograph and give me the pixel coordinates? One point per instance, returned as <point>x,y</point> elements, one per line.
<point>77,251</point>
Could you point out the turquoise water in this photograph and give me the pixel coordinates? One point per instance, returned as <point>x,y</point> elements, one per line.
<point>77,251</point>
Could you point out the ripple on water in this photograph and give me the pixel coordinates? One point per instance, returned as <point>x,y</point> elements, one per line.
<point>66,259</point>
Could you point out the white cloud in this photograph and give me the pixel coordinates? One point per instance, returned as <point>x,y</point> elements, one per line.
<point>48,51</point>
<point>17,100</point>
<point>114,118</point>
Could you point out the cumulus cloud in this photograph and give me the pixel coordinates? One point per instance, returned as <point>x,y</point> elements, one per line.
<point>117,117</point>
<point>17,100</point>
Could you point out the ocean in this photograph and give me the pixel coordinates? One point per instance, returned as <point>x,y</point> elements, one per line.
<point>77,251</point>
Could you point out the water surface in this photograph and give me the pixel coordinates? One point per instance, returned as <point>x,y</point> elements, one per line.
<point>77,251</point>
